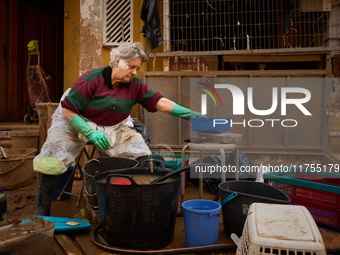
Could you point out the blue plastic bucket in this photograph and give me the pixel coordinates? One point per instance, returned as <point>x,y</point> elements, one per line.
<point>201,222</point>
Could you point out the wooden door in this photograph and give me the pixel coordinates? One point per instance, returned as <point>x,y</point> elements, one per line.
<point>3,56</point>
<point>32,20</point>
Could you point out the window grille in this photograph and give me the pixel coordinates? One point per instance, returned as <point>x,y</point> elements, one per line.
<point>117,22</point>
<point>224,25</point>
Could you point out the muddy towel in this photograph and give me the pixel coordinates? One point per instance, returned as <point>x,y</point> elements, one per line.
<point>125,142</point>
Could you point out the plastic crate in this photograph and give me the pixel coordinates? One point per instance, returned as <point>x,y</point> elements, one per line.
<point>170,163</point>
<point>318,192</point>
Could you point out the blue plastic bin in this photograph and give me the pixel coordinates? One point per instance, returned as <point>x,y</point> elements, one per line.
<point>201,222</point>
<point>211,125</point>
<point>61,181</point>
<point>172,164</point>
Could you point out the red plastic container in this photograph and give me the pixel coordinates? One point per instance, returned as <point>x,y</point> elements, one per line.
<point>318,192</point>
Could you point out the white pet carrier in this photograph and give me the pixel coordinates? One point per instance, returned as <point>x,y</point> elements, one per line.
<point>280,229</point>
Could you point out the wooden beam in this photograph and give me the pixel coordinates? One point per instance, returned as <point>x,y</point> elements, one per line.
<point>67,244</point>
<point>267,58</point>
<point>58,250</point>
<point>329,65</point>
<point>88,246</point>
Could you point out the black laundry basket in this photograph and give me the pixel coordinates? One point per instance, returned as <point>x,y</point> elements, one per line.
<point>138,216</point>
<point>235,211</point>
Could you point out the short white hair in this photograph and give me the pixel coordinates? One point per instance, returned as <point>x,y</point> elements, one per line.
<point>128,51</point>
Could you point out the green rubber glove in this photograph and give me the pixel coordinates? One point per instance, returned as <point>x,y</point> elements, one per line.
<point>185,113</point>
<point>95,136</point>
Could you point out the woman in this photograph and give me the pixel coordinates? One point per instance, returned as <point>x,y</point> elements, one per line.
<point>96,108</point>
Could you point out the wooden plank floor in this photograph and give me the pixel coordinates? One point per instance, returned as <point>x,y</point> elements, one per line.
<point>78,243</point>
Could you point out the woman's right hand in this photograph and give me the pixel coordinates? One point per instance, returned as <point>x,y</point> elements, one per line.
<point>99,139</point>
<point>95,136</point>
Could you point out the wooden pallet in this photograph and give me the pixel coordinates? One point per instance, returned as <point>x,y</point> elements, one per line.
<point>78,243</point>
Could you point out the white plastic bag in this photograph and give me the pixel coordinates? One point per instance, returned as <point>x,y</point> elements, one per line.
<point>62,146</point>
<point>259,175</point>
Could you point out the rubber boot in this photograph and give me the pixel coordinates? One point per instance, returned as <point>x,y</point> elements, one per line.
<point>44,193</point>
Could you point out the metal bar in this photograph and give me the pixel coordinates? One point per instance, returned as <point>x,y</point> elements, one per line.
<point>207,33</point>
<point>247,32</point>
<point>298,148</point>
<point>256,26</point>
<point>183,175</point>
<point>271,149</point>
<point>233,32</point>
<point>250,137</point>
<point>68,181</point>
<point>81,191</point>
<point>177,29</point>
<point>179,91</point>
<point>242,45</point>
<point>264,32</point>
<point>190,27</point>
<point>199,13</point>
<point>316,50</point>
<point>223,164</point>
<point>287,115</point>
<point>217,41</point>
<point>237,161</point>
<point>323,140</point>
<point>185,22</point>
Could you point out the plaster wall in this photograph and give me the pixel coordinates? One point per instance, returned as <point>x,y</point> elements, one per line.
<point>334,116</point>
<point>71,42</point>
<point>91,35</point>
<point>83,41</point>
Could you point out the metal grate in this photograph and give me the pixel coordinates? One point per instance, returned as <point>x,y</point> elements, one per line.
<point>117,26</point>
<point>219,25</point>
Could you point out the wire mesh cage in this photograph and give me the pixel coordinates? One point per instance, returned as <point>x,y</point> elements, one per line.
<point>216,25</point>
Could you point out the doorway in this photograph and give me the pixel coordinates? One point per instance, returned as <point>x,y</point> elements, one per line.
<point>27,20</point>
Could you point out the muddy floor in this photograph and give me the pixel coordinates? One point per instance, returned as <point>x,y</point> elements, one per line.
<point>22,202</point>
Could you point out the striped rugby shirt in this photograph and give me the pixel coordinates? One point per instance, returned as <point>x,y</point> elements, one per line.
<point>93,97</point>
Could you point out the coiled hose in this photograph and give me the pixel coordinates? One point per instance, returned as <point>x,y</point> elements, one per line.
<point>207,248</point>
